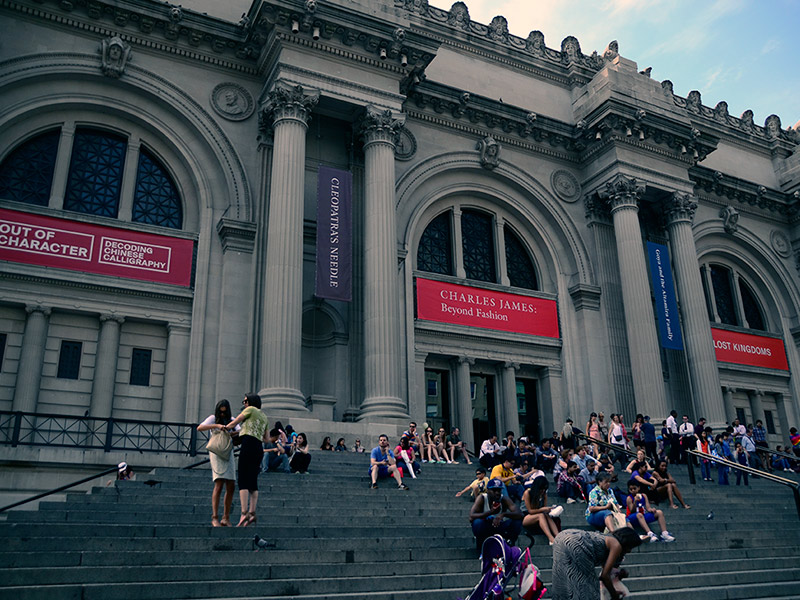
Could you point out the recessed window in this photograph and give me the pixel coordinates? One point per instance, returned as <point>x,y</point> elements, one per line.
<point>740,414</point>
<point>94,182</point>
<point>140,366</point>
<point>518,263</point>
<point>477,236</point>
<point>770,422</point>
<point>435,247</point>
<point>725,306</point>
<point>69,360</point>
<point>26,174</point>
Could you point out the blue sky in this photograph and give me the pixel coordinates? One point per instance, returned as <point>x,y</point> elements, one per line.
<point>746,52</point>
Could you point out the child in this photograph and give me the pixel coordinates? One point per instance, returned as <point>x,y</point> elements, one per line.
<point>639,512</point>
<point>617,575</point>
<point>478,485</point>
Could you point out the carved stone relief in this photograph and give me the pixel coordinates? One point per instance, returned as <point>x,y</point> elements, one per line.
<point>405,144</point>
<point>489,152</point>
<point>730,219</point>
<point>565,185</point>
<point>780,244</point>
<point>231,101</point>
<point>115,56</point>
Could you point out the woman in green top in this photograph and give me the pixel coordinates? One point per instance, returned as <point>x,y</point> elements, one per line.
<point>252,434</point>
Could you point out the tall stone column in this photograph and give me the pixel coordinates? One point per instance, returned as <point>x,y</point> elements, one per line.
<point>756,405</point>
<point>465,402</point>
<point>173,398</point>
<point>623,195</point>
<point>29,373</point>
<point>510,406</point>
<point>727,402</point>
<point>288,110</point>
<point>105,369</point>
<point>382,349</point>
<point>786,414</point>
<point>699,346</point>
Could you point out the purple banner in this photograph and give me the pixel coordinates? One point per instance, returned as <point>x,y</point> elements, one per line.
<point>334,234</point>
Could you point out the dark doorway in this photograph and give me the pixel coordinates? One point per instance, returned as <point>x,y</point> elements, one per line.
<point>437,399</point>
<point>484,421</point>
<point>528,408</point>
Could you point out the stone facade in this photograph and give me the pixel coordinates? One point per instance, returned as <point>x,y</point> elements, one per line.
<point>575,160</point>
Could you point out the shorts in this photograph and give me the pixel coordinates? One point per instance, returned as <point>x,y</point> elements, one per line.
<point>383,472</point>
<point>648,518</point>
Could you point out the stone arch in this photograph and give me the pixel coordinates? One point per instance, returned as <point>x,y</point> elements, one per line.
<point>556,244</point>
<point>41,88</point>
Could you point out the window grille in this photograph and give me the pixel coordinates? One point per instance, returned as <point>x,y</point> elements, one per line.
<point>69,360</point>
<point>26,175</point>
<point>477,231</point>
<point>519,266</point>
<point>140,366</point>
<point>434,254</point>
<point>95,173</point>
<point>155,201</point>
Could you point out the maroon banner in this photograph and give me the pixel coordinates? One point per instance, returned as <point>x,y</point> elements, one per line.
<point>748,349</point>
<point>76,246</point>
<point>475,307</point>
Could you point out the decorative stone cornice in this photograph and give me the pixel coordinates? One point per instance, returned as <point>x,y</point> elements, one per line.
<point>679,207</point>
<point>585,297</point>
<point>236,235</point>
<point>380,125</point>
<point>621,192</point>
<point>727,189</point>
<point>287,102</point>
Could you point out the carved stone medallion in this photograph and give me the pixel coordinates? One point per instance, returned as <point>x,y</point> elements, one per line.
<point>565,185</point>
<point>780,243</point>
<point>405,144</point>
<point>231,101</point>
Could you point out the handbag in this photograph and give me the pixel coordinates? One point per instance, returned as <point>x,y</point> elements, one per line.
<point>220,444</point>
<point>619,519</point>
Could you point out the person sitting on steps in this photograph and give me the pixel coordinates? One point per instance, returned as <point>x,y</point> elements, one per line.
<point>383,464</point>
<point>493,513</point>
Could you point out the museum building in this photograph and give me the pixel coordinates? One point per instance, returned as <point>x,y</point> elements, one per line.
<point>516,233</point>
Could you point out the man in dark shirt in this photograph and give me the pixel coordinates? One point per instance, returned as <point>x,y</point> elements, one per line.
<point>649,435</point>
<point>546,457</point>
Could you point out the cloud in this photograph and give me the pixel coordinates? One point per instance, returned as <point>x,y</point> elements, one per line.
<point>770,46</point>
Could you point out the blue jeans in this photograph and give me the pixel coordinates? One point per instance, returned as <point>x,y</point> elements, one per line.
<point>508,528</point>
<point>739,475</point>
<point>598,519</point>
<point>722,474</point>
<point>705,469</point>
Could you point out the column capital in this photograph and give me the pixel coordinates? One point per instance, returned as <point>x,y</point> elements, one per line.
<point>178,328</point>
<point>596,209</point>
<point>729,390</point>
<point>111,317</point>
<point>465,360</point>
<point>680,207</point>
<point>287,103</point>
<point>511,365</point>
<point>380,126</point>
<point>32,308</point>
<point>621,192</point>
<point>420,356</point>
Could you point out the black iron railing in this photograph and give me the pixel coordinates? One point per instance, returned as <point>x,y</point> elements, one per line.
<point>92,433</point>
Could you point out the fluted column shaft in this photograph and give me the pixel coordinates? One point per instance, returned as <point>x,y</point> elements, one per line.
<point>727,402</point>
<point>29,373</point>
<point>105,370</point>
<point>648,383</point>
<point>382,348</point>
<point>173,398</point>
<point>697,340</point>
<point>510,405</point>
<point>289,110</point>
<point>757,406</point>
<point>464,400</point>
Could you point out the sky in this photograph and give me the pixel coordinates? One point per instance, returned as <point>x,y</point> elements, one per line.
<point>742,51</point>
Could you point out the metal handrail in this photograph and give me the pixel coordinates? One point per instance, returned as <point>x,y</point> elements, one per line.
<point>592,440</point>
<point>795,486</point>
<point>59,489</point>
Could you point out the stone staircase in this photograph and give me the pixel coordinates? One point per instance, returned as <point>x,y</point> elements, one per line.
<point>338,539</point>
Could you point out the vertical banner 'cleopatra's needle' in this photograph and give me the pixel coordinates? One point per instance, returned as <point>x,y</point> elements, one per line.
<point>334,234</point>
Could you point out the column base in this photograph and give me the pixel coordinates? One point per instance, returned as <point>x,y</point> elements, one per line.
<point>383,407</point>
<point>283,399</point>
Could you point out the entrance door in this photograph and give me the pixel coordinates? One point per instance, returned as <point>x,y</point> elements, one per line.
<point>528,407</point>
<point>437,399</point>
<point>484,421</point>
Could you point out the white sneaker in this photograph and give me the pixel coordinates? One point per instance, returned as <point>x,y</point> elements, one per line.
<point>570,500</point>
<point>667,537</point>
<point>652,537</point>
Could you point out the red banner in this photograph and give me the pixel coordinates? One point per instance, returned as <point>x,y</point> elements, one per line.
<point>52,242</point>
<point>475,307</point>
<point>751,350</point>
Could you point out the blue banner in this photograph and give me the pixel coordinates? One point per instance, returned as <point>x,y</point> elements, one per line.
<point>334,234</point>
<point>666,304</point>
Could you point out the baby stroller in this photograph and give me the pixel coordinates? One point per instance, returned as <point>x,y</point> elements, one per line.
<point>501,563</point>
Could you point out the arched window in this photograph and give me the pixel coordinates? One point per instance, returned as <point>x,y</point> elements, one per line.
<point>720,284</point>
<point>518,264</point>
<point>478,242</point>
<point>95,173</point>
<point>434,254</point>
<point>155,201</point>
<point>94,182</point>
<point>26,175</point>
<point>437,254</point>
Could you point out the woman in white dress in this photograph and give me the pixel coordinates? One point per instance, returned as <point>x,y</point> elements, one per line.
<point>223,472</point>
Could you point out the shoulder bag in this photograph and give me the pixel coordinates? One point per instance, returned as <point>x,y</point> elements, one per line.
<point>220,444</point>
